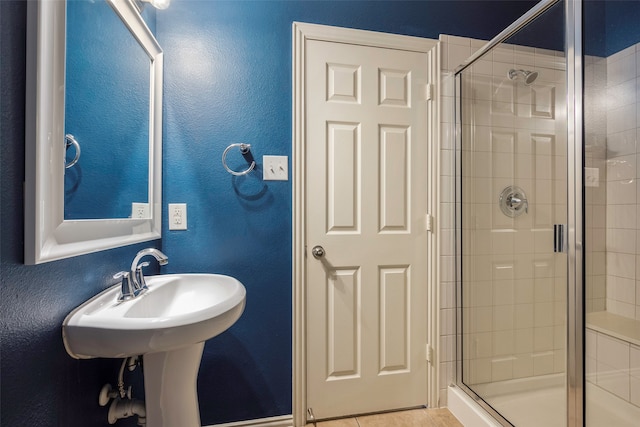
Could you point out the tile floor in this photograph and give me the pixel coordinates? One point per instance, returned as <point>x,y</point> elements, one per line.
<point>412,418</point>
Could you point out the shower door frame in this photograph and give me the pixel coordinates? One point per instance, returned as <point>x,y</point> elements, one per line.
<point>575,207</point>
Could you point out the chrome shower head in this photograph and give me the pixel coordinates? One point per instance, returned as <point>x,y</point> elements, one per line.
<point>529,76</point>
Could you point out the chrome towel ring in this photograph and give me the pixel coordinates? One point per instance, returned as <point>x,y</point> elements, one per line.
<point>245,150</point>
<point>69,141</point>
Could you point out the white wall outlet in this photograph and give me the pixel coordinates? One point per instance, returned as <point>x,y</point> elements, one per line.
<point>591,177</point>
<point>275,168</point>
<point>177,216</point>
<point>139,210</point>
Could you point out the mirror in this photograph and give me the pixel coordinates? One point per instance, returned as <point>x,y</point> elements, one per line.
<point>49,234</point>
<point>106,116</point>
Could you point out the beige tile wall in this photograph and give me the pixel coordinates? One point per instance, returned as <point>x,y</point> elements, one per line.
<point>447,213</point>
<point>614,365</point>
<point>596,189</point>
<point>612,119</point>
<point>622,223</point>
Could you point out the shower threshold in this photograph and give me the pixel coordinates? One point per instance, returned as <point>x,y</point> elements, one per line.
<point>541,404</point>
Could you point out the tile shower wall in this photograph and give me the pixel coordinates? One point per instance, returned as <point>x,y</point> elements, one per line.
<point>614,365</point>
<point>595,183</point>
<point>515,285</point>
<point>612,86</point>
<point>622,223</point>
<point>611,117</point>
<point>454,50</point>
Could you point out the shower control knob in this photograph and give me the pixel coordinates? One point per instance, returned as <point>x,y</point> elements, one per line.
<point>317,252</point>
<point>513,201</point>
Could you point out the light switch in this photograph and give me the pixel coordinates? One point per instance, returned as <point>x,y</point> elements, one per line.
<point>275,168</point>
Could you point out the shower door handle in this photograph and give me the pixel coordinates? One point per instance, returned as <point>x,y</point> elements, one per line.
<point>559,238</point>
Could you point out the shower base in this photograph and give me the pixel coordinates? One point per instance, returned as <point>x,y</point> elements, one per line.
<point>541,404</point>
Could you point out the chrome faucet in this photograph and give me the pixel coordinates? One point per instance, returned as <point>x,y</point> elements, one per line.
<point>133,282</point>
<point>136,275</point>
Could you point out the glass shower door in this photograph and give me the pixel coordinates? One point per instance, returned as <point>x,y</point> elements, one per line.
<point>512,126</point>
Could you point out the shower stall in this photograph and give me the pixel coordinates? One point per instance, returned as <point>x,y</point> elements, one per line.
<point>547,231</point>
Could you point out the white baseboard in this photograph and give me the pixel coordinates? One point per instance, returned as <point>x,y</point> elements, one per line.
<point>281,421</point>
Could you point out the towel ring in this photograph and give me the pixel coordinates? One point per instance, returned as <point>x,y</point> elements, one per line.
<point>69,141</point>
<point>245,150</point>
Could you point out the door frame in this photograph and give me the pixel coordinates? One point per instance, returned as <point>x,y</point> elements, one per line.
<point>302,32</point>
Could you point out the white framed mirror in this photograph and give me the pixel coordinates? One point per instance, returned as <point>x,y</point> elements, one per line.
<point>48,236</point>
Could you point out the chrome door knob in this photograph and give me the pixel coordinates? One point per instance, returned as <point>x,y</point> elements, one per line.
<point>317,252</point>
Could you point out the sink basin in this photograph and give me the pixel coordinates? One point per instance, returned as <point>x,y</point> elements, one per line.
<point>167,325</point>
<point>177,310</point>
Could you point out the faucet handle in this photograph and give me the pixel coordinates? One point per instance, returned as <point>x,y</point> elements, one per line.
<point>140,277</point>
<point>126,290</point>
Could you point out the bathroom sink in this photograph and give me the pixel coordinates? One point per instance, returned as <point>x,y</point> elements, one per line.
<point>167,324</point>
<point>178,310</point>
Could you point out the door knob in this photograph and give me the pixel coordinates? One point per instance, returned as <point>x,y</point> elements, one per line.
<point>317,252</point>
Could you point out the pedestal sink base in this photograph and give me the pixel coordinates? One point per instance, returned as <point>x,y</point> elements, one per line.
<point>170,390</point>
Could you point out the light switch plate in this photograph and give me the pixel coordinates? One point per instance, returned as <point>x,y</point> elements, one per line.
<point>275,168</point>
<point>177,216</point>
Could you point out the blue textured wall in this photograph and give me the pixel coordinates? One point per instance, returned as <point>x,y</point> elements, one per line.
<point>622,20</point>
<point>594,33</point>
<point>228,79</point>
<point>610,26</point>
<point>546,31</point>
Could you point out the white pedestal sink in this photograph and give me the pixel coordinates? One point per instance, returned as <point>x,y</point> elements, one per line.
<point>167,325</point>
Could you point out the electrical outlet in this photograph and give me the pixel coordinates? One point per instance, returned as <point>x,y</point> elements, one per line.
<point>177,216</point>
<point>139,210</point>
<point>275,168</point>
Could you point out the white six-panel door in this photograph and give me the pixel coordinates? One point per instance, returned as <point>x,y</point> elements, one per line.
<point>366,192</point>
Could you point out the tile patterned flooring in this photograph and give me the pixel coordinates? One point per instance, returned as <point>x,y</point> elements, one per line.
<point>411,418</point>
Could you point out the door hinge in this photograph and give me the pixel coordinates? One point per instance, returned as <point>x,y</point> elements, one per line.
<point>429,91</point>
<point>428,222</point>
<point>429,354</point>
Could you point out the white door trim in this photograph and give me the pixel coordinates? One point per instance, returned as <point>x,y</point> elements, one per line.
<point>303,32</point>
<point>435,144</point>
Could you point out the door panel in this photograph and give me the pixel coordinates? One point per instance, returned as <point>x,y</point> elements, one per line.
<point>366,189</point>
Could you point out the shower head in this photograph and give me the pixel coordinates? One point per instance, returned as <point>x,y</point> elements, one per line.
<point>529,76</point>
